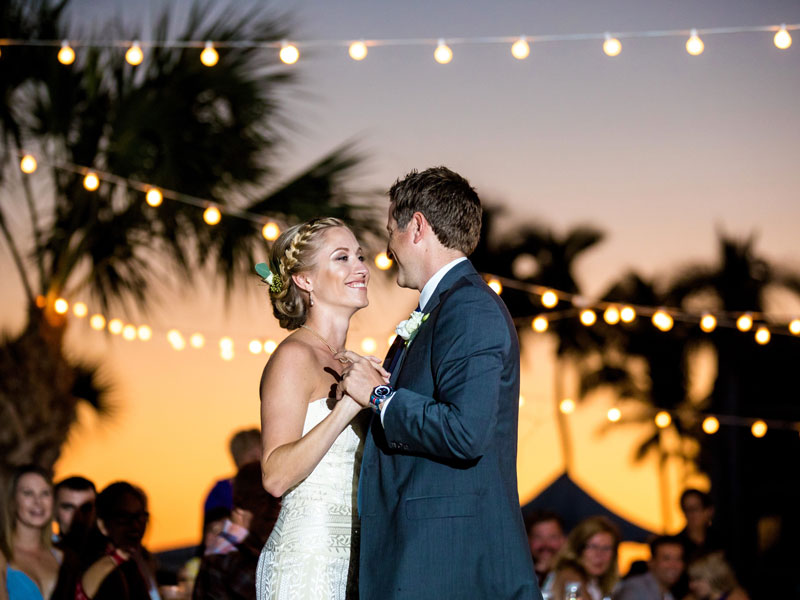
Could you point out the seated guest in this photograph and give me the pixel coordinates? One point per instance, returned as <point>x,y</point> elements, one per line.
<point>125,572</point>
<point>29,564</point>
<point>663,571</point>
<point>588,559</point>
<point>711,578</point>
<point>228,569</point>
<point>245,447</point>
<point>545,537</point>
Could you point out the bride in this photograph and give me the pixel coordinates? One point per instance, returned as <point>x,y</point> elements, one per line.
<point>312,444</point>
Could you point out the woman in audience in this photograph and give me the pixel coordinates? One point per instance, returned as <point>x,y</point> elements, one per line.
<point>711,578</point>
<point>29,564</point>
<point>588,560</point>
<point>125,572</point>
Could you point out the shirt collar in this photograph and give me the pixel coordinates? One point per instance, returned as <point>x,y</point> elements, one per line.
<point>430,287</point>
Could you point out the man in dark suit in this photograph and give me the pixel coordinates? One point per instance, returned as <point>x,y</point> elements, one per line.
<point>438,499</point>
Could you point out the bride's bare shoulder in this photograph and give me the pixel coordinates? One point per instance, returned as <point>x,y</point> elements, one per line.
<point>292,355</point>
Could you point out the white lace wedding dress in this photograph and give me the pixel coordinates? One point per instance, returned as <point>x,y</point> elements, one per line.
<point>312,553</point>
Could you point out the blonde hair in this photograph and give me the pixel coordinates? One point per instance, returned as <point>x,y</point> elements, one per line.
<point>292,253</point>
<point>9,511</point>
<point>571,554</point>
<point>713,569</point>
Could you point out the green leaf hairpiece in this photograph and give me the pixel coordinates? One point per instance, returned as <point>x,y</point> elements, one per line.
<point>273,280</point>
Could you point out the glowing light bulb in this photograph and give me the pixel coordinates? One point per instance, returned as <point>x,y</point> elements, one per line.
<point>97,322</point>
<point>744,322</point>
<point>66,55</point>
<point>270,346</point>
<point>612,46</point>
<point>209,56</point>
<point>61,306</point>
<point>383,262</point>
<point>357,51</point>
<point>763,335</point>
<point>115,326</point>
<point>289,53</point>
<point>154,197</point>
<point>567,406</point>
<point>226,348</point>
<point>27,164</point>
<point>443,54</point>
<point>226,354</point>
<point>520,49</point>
<point>627,314</point>
<point>211,215</point>
<point>391,339</point>
<point>144,332</point>
<point>588,317</point>
<point>614,414</point>
<point>708,323</point>
<point>91,182</point>
<point>711,425</point>
<point>255,346</point>
<point>549,299</point>
<point>41,301</point>
<point>176,340</point>
<point>196,340</point>
<point>496,286</point>
<point>782,38</point>
<point>540,324</point>
<point>270,231</point>
<point>694,45</point>
<point>611,315</point>
<point>521,400</point>
<point>794,327</point>
<point>663,419</point>
<point>663,320</point>
<point>759,429</point>
<point>80,310</point>
<point>134,55</point>
<point>129,332</point>
<point>369,345</point>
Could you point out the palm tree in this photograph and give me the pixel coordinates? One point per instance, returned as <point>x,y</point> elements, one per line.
<point>210,133</point>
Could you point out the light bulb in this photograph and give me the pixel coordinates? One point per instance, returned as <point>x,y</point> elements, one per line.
<point>289,53</point>
<point>176,340</point>
<point>614,414</point>
<point>662,320</point>
<point>744,322</point>
<point>66,55</point>
<point>255,346</point>
<point>115,326</point>
<point>588,317</point>
<point>711,425</point>
<point>520,49</point>
<point>663,419</point>
<point>763,335</point>
<point>391,339</point>
<point>549,299</point>
<point>196,340</point>
<point>144,332</point>
<point>567,406</point>
<point>612,46</point>
<point>627,314</point>
<point>540,324</point>
<point>97,322</point>
<point>80,310</point>
<point>794,327</point>
<point>61,306</point>
<point>443,54</point>
<point>270,231</point>
<point>759,429</point>
<point>27,164</point>
<point>611,315</point>
<point>270,346</point>
<point>91,182</point>
<point>782,38</point>
<point>521,400</point>
<point>134,55</point>
<point>129,332</point>
<point>694,45</point>
<point>496,286</point>
<point>357,51</point>
<point>383,262</point>
<point>211,215</point>
<point>369,345</point>
<point>154,197</point>
<point>708,323</point>
<point>209,56</point>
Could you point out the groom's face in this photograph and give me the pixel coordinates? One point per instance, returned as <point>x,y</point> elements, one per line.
<point>400,249</point>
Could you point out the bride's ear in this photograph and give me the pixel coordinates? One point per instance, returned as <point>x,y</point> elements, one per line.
<point>303,281</point>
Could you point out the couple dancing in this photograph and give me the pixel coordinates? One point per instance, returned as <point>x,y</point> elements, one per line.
<point>425,444</point>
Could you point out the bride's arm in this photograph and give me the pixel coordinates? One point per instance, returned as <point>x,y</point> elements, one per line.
<point>288,383</point>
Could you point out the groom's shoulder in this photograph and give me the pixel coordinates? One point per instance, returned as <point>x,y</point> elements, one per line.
<point>471,291</point>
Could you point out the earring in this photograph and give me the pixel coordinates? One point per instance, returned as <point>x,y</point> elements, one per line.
<point>310,298</point>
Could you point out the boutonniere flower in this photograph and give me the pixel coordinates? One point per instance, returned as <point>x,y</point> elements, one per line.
<point>408,329</point>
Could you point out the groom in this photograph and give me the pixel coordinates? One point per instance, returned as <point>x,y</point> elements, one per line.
<point>438,500</point>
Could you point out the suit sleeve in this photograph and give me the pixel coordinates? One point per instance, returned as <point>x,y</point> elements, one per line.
<point>470,343</point>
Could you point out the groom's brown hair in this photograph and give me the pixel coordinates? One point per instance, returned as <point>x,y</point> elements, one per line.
<point>447,200</point>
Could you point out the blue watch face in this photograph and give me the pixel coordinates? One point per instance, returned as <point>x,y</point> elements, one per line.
<point>382,391</point>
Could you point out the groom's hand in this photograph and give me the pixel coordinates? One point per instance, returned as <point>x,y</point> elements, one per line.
<point>361,376</point>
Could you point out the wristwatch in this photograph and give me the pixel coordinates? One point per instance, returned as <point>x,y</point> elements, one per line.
<point>380,393</point>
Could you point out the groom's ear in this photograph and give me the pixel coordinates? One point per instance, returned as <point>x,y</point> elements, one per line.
<point>419,226</point>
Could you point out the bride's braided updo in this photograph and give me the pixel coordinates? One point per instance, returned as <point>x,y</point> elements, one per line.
<point>292,253</point>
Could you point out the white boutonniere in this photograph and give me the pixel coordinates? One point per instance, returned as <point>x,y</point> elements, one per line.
<point>408,329</point>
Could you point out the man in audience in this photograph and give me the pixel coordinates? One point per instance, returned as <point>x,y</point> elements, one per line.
<point>245,447</point>
<point>74,502</point>
<point>663,571</point>
<point>546,536</point>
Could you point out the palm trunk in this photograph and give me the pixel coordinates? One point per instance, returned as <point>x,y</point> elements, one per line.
<point>561,418</point>
<point>663,477</point>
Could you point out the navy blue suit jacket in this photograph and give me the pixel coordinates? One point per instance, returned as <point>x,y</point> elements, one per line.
<point>440,514</point>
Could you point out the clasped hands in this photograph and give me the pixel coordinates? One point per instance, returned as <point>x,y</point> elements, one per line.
<point>361,375</point>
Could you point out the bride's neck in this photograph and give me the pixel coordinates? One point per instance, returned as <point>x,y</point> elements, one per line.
<point>333,327</point>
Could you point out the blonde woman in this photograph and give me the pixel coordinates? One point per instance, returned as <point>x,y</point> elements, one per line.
<point>312,444</point>
<point>711,578</point>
